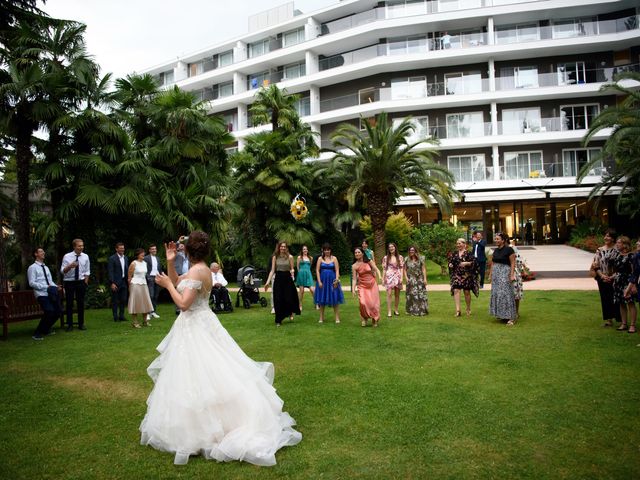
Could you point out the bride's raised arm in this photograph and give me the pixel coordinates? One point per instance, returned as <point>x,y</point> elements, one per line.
<point>171,249</point>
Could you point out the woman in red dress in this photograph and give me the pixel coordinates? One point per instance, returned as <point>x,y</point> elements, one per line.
<point>364,284</point>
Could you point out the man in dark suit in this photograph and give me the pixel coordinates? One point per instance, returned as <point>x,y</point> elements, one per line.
<point>478,247</point>
<point>117,270</point>
<point>154,268</point>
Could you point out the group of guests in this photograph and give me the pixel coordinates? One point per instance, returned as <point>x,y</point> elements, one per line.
<point>467,272</point>
<point>132,284</point>
<point>616,268</point>
<point>327,290</point>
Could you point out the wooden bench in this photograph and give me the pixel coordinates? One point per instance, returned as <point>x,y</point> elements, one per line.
<point>18,307</point>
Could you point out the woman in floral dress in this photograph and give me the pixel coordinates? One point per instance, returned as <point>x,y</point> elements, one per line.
<point>415,274</point>
<point>622,278</point>
<point>392,266</point>
<point>463,275</point>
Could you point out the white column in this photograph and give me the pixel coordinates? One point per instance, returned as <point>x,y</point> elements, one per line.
<point>495,154</point>
<point>180,71</point>
<point>316,128</point>
<point>491,39</point>
<point>492,75</point>
<point>241,144</point>
<point>311,62</point>
<point>239,52</point>
<point>242,117</point>
<point>239,83</point>
<point>314,99</point>
<point>494,119</point>
<point>311,29</point>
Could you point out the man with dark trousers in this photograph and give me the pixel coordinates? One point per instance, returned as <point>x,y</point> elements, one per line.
<point>478,247</point>
<point>117,268</point>
<point>75,269</point>
<point>154,268</point>
<point>46,292</point>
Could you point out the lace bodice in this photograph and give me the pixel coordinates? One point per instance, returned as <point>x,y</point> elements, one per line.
<point>202,300</point>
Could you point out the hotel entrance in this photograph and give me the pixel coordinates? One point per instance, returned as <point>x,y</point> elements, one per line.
<point>531,222</point>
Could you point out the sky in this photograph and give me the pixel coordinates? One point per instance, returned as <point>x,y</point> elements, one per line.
<point>127,36</point>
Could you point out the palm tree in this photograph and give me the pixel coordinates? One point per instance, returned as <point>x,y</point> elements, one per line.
<point>374,168</point>
<point>276,107</point>
<point>623,146</point>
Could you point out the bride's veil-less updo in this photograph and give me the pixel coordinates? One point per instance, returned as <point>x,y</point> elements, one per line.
<point>197,246</point>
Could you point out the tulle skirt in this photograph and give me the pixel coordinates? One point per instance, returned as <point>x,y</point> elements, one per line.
<point>211,399</point>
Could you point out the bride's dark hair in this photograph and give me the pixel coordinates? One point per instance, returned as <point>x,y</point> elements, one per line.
<point>197,246</point>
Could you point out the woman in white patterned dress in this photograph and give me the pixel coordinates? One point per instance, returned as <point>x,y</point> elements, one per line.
<point>209,397</point>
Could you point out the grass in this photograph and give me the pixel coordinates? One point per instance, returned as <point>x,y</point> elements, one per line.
<point>432,397</point>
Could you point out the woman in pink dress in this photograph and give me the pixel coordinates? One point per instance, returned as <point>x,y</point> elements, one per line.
<point>364,284</point>
<point>392,265</point>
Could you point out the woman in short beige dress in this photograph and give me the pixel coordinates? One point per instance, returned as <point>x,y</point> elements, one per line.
<point>139,299</point>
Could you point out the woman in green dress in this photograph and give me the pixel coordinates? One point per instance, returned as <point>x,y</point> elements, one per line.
<point>304,279</point>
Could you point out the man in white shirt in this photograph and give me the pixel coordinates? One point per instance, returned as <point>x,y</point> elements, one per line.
<point>219,294</point>
<point>41,281</point>
<point>154,268</point>
<point>75,269</point>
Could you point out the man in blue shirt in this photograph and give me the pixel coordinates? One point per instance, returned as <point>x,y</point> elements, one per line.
<point>46,292</point>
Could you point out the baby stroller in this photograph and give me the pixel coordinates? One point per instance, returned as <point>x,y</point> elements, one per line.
<point>249,289</point>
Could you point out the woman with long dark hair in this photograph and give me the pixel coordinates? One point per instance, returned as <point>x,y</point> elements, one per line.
<point>622,284</point>
<point>364,273</point>
<point>415,274</point>
<point>392,267</point>
<point>285,297</point>
<point>502,304</point>
<point>209,397</point>
<point>328,290</point>
<point>463,275</point>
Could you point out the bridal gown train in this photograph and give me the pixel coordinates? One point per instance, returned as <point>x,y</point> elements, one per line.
<point>209,397</point>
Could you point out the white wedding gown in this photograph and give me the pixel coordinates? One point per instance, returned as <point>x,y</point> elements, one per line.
<point>209,397</point>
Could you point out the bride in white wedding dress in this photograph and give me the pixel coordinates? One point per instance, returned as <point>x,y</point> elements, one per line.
<point>209,397</point>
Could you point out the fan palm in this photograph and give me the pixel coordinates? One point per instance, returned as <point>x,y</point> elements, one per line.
<point>376,167</point>
<point>623,145</point>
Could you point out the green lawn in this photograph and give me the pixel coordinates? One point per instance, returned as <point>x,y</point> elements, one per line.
<point>556,396</point>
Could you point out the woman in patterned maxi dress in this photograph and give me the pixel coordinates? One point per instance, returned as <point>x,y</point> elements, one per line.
<point>415,274</point>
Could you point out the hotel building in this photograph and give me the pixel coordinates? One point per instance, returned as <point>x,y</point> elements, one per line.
<point>509,87</point>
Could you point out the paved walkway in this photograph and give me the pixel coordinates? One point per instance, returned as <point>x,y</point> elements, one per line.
<point>557,267</point>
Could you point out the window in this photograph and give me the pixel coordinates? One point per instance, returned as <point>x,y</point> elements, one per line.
<point>526,32</point>
<point>451,5</point>
<point>578,117</point>
<point>405,8</point>
<point>411,87</point>
<point>165,78</point>
<point>258,80</point>
<point>229,120</point>
<point>405,45</point>
<point>575,27</point>
<point>461,125</point>
<point>573,161</point>
<point>521,120</point>
<point>225,89</point>
<point>518,77</point>
<point>258,48</point>
<point>571,73</point>
<point>293,37</point>
<point>367,95</point>
<point>467,168</point>
<point>294,70</point>
<point>420,128</point>
<point>303,106</point>
<point>461,83</point>
<point>225,58</point>
<point>522,164</point>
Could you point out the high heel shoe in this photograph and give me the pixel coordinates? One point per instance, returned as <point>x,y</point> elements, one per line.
<point>396,313</point>
<point>375,323</point>
<point>363,323</point>
<point>458,314</point>
<point>622,327</point>
<point>136,325</point>
<point>468,313</point>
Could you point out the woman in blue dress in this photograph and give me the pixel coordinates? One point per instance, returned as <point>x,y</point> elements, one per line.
<point>328,289</point>
<point>304,279</point>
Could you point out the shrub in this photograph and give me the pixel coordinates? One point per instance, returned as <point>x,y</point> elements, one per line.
<point>436,240</point>
<point>398,230</point>
<point>587,235</point>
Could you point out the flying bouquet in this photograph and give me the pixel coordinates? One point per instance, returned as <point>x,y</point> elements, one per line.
<point>298,208</point>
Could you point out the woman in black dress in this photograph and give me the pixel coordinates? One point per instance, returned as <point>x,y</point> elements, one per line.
<point>623,284</point>
<point>503,263</point>
<point>285,296</point>
<point>463,275</point>
<point>602,271</point>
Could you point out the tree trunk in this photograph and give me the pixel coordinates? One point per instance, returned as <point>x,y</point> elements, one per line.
<point>23,163</point>
<point>378,209</point>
